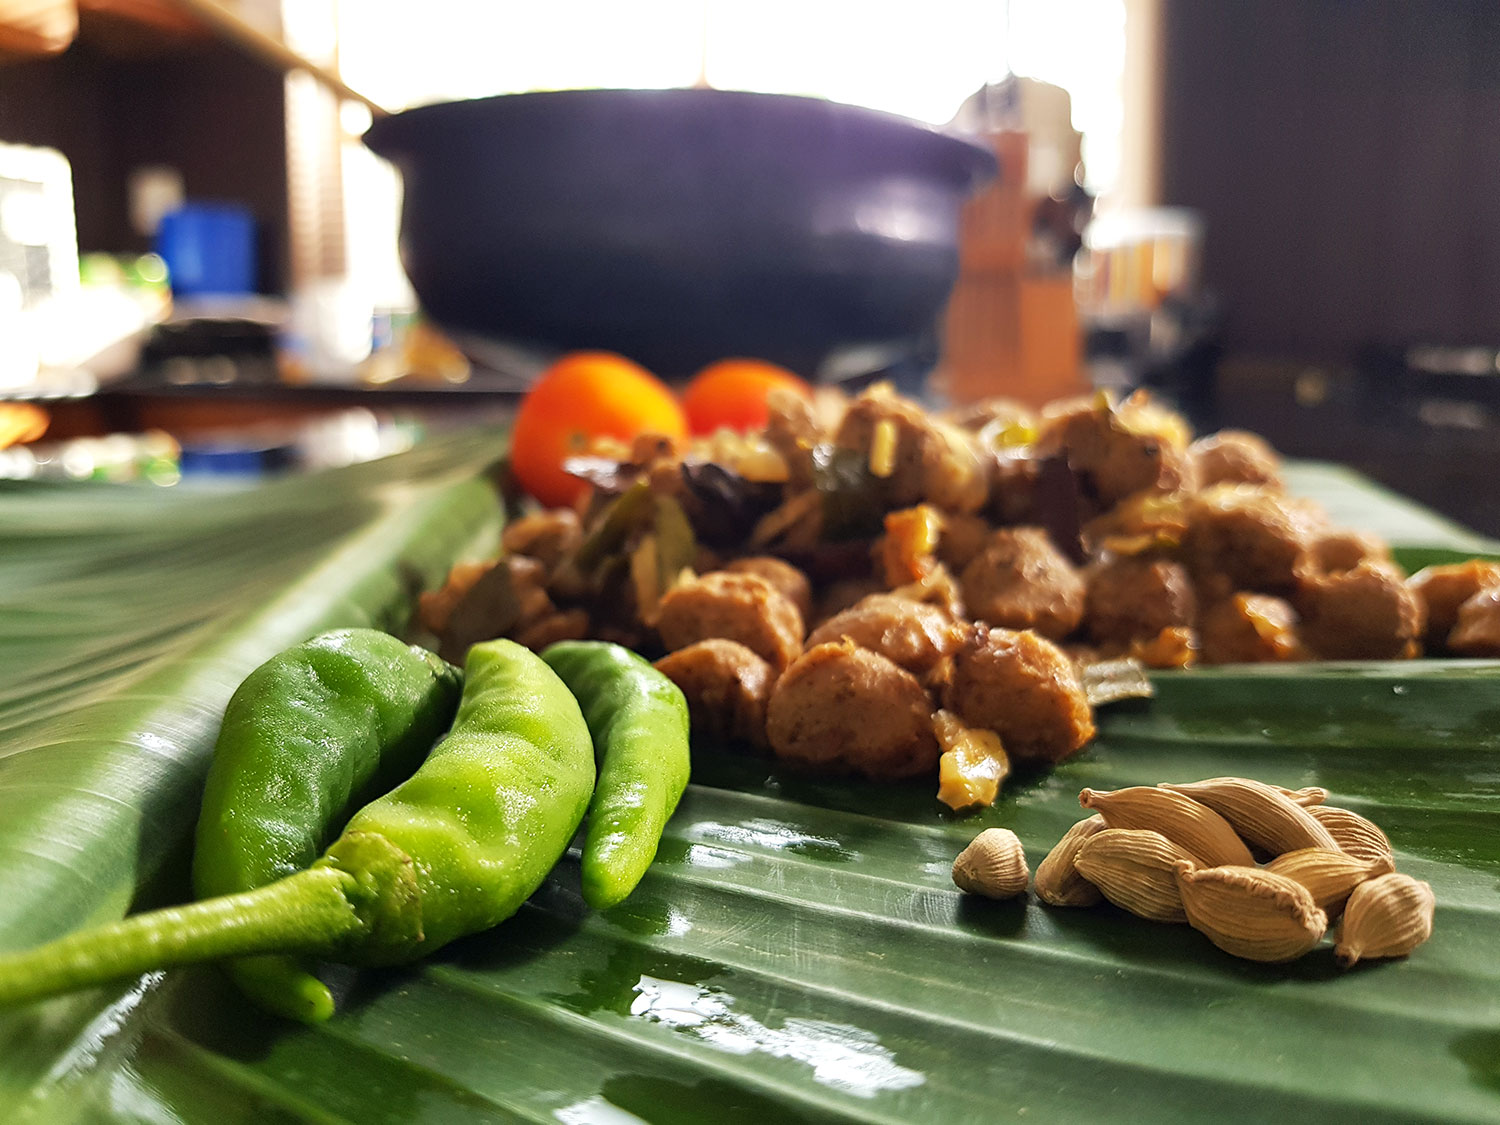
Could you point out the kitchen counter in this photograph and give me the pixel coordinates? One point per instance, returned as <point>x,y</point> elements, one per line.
<point>133,405</point>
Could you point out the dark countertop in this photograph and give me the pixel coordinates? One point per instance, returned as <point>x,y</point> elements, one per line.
<point>133,404</point>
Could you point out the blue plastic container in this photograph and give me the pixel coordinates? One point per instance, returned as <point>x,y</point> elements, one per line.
<point>209,248</point>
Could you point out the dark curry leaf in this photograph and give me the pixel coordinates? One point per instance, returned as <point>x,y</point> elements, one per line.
<point>853,497</point>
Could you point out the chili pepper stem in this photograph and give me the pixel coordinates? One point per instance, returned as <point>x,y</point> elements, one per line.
<point>311,912</point>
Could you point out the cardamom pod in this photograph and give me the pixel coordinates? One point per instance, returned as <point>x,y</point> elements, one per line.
<point>1329,875</point>
<point>1251,913</point>
<point>1307,796</point>
<point>1136,869</point>
<point>1354,834</point>
<point>1203,833</point>
<point>1057,879</point>
<point>993,865</point>
<point>1263,815</point>
<point>1385,917</point>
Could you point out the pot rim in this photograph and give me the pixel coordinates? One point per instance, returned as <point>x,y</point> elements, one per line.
<point>407,135</point>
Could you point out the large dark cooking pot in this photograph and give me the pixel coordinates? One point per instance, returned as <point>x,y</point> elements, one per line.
<point>679,226</point>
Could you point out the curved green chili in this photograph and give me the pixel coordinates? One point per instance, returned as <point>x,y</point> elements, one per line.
<point>639,722</point>
<point>308,737</point>
<point>453,850</point>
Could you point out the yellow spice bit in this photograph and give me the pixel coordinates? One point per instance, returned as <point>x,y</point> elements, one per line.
<point>919,527</point>
<point>883,449</point>
<point>1008,433</point>
<point>908,553</point>
<point>1174,647</point>
<point>972,766</point>
<point>762,465</point>
<point>1266,627</point>
<point>1016,435</point>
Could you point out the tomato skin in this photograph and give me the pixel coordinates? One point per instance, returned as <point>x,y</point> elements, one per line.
<point>585,395</point>
<point>732,394</point>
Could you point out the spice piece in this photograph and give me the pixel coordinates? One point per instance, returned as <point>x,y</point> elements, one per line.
<point>1385,917</point>
<point>1329,875</point>
<point>993,865</point>
<point>1057,879</point>
<point>1307,796</point>
<point>973,764</point>
<point>1146,851</point>
<point>1251,913</point>
<point>1354,834</point>
<point>1206,835</point>
<point>1136,869</point>
<point>1261,814</point>
<point>882,461</point>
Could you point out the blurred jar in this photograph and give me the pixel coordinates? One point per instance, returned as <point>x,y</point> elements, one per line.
<point>1132,261</point>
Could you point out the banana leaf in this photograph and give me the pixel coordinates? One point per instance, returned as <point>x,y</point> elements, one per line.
<point>797,954</point>
<point>128,615</point>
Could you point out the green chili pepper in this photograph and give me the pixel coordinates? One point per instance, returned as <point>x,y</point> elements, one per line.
<point>453,850</point>
<point>639,722</point>
<point>309,736</point>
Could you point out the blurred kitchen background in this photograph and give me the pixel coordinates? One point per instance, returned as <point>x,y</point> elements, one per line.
<point>1282,216</point>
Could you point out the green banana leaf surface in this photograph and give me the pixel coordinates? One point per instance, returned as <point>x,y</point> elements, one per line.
<point>797,954</point>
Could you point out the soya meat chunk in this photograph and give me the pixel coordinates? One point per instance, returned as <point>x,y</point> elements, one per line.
<point>1019,580</point>
<point>1133,599</point>
<point>1366,613</point>
<point>1477,630</point>
<point>780,574</point>
<point>844,709</point>
<point>1249,628</point>
<point>1024,688</point>
<point>738,607</point>
<point>1442,589</point>
<point>915,635</point>
<point>1338,549</point>
<point>917,457</point>
<point>1235,457</point>
<point>1245,538</point>
<point>1116,452</point>
<point>726,686</point>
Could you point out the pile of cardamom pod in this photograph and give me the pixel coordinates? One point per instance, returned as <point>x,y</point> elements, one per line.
<point>1262,871</point>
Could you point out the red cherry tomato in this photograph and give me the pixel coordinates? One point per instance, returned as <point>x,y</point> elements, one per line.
<point>732,394</point>
<point>585,395</point>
